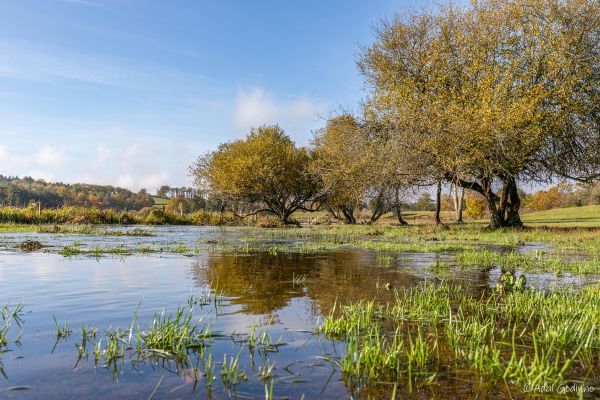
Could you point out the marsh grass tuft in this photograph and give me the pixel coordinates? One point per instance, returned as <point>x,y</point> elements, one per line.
<point>519,336</point>
<point>30,245</point>
<point>530,262</point>
<point>9,315</point>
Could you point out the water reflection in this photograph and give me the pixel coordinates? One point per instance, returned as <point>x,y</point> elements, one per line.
<point>262,283</point>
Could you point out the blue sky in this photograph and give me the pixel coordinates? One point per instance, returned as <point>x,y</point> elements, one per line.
<point>131,92</point>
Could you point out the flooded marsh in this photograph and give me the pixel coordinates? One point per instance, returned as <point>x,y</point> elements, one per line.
<point>325,312</point>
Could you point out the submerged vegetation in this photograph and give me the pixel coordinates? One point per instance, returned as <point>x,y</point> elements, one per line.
<point>521,337</point>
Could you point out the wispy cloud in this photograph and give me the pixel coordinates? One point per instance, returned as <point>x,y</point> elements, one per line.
<point>26,61</point>
<point>47,156</point>
<point>81,2</point>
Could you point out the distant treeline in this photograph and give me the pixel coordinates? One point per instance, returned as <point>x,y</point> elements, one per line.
<point>20,192</point>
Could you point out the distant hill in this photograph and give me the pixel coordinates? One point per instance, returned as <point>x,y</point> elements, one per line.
<point>585,216</point>
<point>21,192</point>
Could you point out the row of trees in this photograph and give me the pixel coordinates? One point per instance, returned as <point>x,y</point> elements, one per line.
<point>21,192</point>
<point>564,194</point>
<point>483,97</point>
<point>169,192</point>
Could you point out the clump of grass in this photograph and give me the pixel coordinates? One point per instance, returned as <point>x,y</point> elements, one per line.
<point>383,259</point>
<point>9,315</point>
<point>263,342</point>
<point>68,251</point>
<point>62,332</point>
<point>180,248</point>
<point>519,335</point>
<point>299,280</point>
<point>265,371</point>
<point>509,282</point>
<point>535,262</point>
<point>174,335</point>
<point>439,266</point>
<point>231,374</point>
<point>29,245</point>
<point>205,298</point>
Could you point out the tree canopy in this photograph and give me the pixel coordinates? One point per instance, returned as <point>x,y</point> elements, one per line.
<point>484,96</point>
<point>263,172</point>
<point>492,93</point>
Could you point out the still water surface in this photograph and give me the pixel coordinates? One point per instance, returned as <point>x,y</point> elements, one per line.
<point>284,294</point>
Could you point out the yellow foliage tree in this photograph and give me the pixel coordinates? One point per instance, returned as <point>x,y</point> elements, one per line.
<point>265,171</point>
<point>493,93</point>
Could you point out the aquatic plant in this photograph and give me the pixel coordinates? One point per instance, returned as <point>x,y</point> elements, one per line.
<point>29,245</point>
<point>525,337</point>
<point>9,315</point>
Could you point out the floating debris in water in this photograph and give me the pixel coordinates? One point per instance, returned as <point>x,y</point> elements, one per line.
<point>29,245</point>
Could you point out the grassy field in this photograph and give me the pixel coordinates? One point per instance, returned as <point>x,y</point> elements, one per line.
<point>159,202</point>
<point>586,216</point>
<point>412,217</point>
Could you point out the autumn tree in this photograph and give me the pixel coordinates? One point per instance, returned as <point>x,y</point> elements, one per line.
<point>493,93</point>
<point>177,204</point>
<point>342,164</point>
<point>265,172</point>
<point>358,167</point>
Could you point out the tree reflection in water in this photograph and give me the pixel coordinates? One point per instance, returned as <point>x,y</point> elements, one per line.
<point>262,283</point>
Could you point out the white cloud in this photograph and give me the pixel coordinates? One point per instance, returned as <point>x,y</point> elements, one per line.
<point>45,175</point>
<point>253,108</point>
<point>132,163</point>
<point>102,153</point>
<point>46,157</point>
<point>49,157</point>
<point>297,116</point>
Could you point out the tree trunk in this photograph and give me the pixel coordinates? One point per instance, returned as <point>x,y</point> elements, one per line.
<point>459,196</point>
<point>399,214</point>
<point>379,209</point>
<point>512,217</point>
<point>398,207</point>
<point>496,220</point>
<point>348,215</point>
<point>377,213</point>
<point>504,209</point>
<point>438,203</point>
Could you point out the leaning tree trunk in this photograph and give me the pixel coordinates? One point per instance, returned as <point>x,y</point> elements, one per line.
<point>377,213</point>
<point>438,203</point>
<point>399,214</point>
<point>398,207</point>
<point>379,209</point>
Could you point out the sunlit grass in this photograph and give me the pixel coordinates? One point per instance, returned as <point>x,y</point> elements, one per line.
<point>524,337</point>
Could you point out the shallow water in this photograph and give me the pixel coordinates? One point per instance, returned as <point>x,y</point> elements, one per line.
<point>284,294</point>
